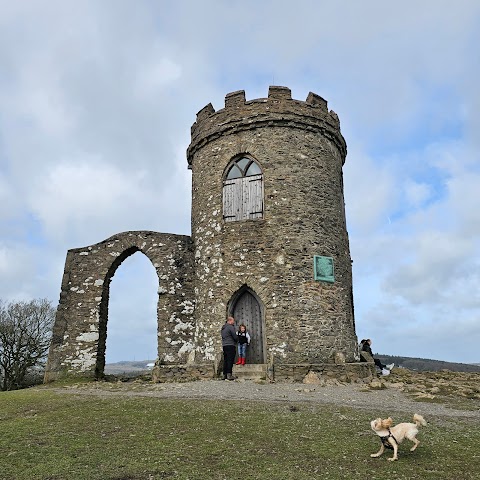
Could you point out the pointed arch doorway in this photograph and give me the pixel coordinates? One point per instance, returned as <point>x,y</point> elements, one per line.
<point>247,308</point>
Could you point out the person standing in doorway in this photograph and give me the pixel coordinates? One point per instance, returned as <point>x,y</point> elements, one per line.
<point>243,343</point>
<point>229,339</point>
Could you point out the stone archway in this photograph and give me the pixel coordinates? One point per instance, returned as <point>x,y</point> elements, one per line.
<point>105,307</point>
<point>132,312</point>
<point>247,308</point>
<point>79,334</point>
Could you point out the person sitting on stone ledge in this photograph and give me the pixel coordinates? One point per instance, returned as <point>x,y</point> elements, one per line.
<point>365,347</point>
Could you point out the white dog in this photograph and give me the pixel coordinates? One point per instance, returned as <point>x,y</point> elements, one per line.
<point>392,437</point>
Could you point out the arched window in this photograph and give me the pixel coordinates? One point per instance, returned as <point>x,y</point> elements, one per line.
<point>243,191</point>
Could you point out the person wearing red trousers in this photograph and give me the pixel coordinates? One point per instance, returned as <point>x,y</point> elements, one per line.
<point>243,343</point>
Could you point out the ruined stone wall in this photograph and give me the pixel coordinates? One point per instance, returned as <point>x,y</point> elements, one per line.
<point>79,335</point>
<point>301,152</point>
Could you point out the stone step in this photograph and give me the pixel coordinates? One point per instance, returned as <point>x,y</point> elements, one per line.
<point>256,371</point>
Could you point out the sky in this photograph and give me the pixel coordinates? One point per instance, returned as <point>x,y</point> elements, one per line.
<point>96,104</point>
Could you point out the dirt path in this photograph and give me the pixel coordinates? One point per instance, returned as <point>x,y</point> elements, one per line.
<point>385,401</point>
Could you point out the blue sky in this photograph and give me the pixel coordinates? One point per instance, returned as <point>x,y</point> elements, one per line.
<point>96,104</point>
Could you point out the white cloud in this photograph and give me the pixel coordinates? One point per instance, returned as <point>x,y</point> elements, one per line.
<point>7,198</point>
<point>370,192</point>
<point>438,260</point>
<point>465,197</point>
<point>97,99</point>
<point>155,75</point>
<point>78,195</point>
<point>28,272</point>
<point>91,199</point>
<point>417,193</point>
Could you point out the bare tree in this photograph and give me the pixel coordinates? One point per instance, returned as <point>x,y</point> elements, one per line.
<point>25,334</point>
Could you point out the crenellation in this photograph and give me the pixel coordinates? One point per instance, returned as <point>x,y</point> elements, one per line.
<point>278,109</point>
<point>335,118</point>
<point>279,93</point>
<point>317,101</point>
<point>205,112</point>
<point>235,99</point>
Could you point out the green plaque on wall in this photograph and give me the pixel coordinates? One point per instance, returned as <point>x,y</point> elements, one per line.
<point>323,269</point>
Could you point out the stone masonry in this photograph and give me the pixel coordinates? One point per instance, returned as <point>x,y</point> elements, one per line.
<point>300,151</point>
<point>79,335</point>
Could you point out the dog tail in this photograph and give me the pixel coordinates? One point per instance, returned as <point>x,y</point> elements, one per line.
<point>419,420</point>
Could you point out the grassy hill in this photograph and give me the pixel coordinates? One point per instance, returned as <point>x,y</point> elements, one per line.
<point>48,435</point>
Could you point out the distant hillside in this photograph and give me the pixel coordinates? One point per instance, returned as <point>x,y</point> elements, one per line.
<point>426,365</point>
<point>418,364</point>
<point>127,367</point>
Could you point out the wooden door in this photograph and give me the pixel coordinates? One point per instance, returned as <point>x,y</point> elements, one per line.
<point>247,311</point>
<point>243,198</point>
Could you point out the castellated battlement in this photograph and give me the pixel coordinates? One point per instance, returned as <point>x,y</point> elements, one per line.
<point>278,109</point>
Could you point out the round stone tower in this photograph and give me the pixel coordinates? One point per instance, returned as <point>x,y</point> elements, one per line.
<point>268,229</point>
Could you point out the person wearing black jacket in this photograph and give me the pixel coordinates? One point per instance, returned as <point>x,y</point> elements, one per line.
<point>229,339</point>
<point>365,346</point>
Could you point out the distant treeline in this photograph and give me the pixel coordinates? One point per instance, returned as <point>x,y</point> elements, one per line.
<point>426,365</point>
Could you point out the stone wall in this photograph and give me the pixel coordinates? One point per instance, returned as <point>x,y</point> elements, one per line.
<point>301,151</point>
<point>79,335</point>
<point>321,374</point>
<point>182,372</point>
<point>324,373</point>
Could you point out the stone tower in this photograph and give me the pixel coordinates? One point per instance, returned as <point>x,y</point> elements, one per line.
<point>268,207</point>
<point>269,246</point>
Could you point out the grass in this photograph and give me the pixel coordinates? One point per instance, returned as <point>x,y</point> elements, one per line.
<point>47,435</point>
